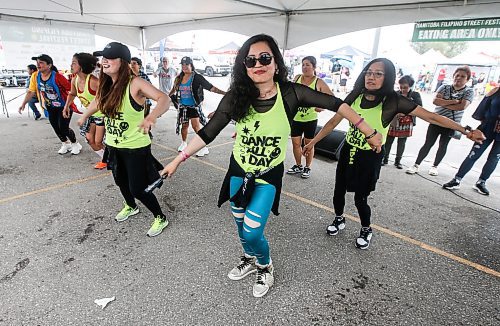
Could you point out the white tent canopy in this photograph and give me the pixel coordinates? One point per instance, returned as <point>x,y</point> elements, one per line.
<point>292,22</point>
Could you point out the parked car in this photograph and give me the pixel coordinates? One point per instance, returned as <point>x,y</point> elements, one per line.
<point>211,65</point>
<point>13,78</point>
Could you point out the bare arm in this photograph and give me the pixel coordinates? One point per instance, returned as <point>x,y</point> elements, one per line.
<point>91,109</point>
<point>142,89</point>
<point>29,95</point>
<point>71,97</point>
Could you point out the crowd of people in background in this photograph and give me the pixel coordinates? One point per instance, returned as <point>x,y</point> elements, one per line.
<point>121,106</point>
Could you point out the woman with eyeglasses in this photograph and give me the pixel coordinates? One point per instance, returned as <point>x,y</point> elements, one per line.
<point>263,104</point>
<point>187,95</point>
<point>358,169</point>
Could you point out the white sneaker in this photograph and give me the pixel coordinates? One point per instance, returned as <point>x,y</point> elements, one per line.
<point>245,267</point>
<point>202,152</point>
<point>65,147</point>
<point>264,280</point>
<point>433,171</point>
<point>412,169</point>
<point>76,148</point>
<point>182,146</point>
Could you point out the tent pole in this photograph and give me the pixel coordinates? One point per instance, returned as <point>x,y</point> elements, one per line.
<point>285,38</point>
<point>376,42</point>
<point>143,42</point>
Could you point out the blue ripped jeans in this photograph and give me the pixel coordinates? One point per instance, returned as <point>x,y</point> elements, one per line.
<point>475,153</point>
<point>252,220</point>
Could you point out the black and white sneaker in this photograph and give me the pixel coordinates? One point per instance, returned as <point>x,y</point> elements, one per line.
<point>264,280</point>
<point>365,235</point>
<point>452,185</point>
<point>245,267</point>
<point>297,168</point>
<point>481,188</point>
<point>337,225</point>
<point>306,172</point>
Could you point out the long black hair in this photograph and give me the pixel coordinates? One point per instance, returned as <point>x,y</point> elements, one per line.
<point>86,61</point>
<point>242,89</point>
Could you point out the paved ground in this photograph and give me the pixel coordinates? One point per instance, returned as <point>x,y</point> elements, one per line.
<point>434,258</point>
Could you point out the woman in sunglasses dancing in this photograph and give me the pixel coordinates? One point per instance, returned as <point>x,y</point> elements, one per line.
<point>373,98</point>
<point>263,104</point>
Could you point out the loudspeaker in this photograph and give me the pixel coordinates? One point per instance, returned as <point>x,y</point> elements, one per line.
<point>331,145</point>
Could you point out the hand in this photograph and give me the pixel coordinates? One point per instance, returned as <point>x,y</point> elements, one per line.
<point>307,149</point>
<point>147,123</point>
<point>476,135</point>
<point>80,121</point>
<point>170,169</point>
<point>210,115</point>
<point>376,142</point>
<point>319,110</point>
<point>65,112</point>
<point>21,109</point>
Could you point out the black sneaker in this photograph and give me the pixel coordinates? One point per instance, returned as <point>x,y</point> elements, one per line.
<point>306,172</point>
<point>398,165</point>
<point>295,169</point>
<point>481,188</point>
<point>365,235</point>
<point>385,162</point>
<point>337,225</point>
<point>452,185</point>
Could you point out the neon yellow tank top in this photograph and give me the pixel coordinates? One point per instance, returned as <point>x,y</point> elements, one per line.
<point>86,97</point>
<point>123,131</point>
<point>262,138</point>
<point>306,114</point>
<point>373,117</point>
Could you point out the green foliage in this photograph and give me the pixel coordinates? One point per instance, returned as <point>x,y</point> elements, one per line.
<point>449,49</point>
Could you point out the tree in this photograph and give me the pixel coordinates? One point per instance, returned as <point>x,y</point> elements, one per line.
<point>449,49</point>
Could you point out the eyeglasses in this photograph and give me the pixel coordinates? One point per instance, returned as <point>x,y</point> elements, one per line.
<point>265,59</point>
<point>376,74</point>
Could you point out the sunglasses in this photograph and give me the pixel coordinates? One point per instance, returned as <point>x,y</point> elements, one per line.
<point>376,74</point>
<point>265,59</point>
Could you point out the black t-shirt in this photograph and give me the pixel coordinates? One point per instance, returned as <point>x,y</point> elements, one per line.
<point>294,96</point>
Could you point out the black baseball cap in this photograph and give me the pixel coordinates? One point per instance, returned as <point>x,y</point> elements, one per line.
<point>114,50</point>
<point>136,59</point>
<point>186,61</point>
<point>45,58</point>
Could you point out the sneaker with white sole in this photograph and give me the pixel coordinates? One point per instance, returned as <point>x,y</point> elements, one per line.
<point>126,212</point>
<point>337,225</point>
<point>454,184</point>
<point>65,147</point>
<point>202,152</point>
<point>365,236</point>
<point>480,187</point>
<point>433,171</point>
<point>297,168</point>
<point>158,225</point>
<point>306,172</point>
<point>245,267</point>
<point>76,148</point>
<point>264,280</point>
<point>412,169</point>
<point>182,146</point>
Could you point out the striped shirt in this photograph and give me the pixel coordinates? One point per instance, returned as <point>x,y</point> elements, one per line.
<point>449,93</point>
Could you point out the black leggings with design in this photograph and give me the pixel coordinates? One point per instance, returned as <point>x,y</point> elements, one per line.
<point>433,132</point>
<point>60,124</point>
<point>132,178</point>
<point>360,200</point>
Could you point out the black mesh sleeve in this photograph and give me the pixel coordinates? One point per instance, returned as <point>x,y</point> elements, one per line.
<point>395,104</point>
<point>298,95</point>
<point>219,121</point>
<point>203,82</point>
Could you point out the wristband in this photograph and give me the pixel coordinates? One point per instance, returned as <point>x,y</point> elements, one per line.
<point>372,135</point>
<point>184,155</point>
<point>359,122</point>
<point>468,128</point>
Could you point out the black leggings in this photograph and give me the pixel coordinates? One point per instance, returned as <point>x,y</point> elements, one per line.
<point>433,132</point>
<point>60,125</point>
<point>360,200</point>
<point>132,178</point>
<point>400,150</point>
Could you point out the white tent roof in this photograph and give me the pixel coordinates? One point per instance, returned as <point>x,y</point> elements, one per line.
<point>291,22</point>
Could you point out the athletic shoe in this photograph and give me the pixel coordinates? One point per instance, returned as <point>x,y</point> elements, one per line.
<point>433,171</point>
<point>182,146</point>
<point>100,165</point>
<point>38,117</point>
<point>481,188</point>
<point>365,235</point>
<point>202,152</point>
<point>452,185</point>
<point>126,212</point>
<point>337,225</point>
<point>398,165</point>
<point>245,267</point>
<point>412,169</point>
<point>264,280</point>
<point>385,162</point>
<point>306,172</point>
<point>65,147</point>
<point>76,148</point>
<point>297,168</point>
<point>158,225</point>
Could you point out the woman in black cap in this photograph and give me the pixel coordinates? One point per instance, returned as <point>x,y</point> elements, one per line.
<point>121,97</point>
<point>374,99</point>
<point>187,95</point>
<point>52,89</point>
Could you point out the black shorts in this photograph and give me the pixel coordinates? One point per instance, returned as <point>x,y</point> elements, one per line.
<point>308,129</point>
<point>188,112</point>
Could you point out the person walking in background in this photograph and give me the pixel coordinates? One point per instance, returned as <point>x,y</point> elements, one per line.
<point>52,89</point>
<point>32,102</point>
<point>402,124</point>
<point>451,101</point>
<point>166,75</point>
<point>488,112</point>
<point>306,120</point>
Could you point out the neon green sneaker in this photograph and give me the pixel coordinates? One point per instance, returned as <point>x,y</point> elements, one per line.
<point>158,225</point>
<point>126,212</point>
